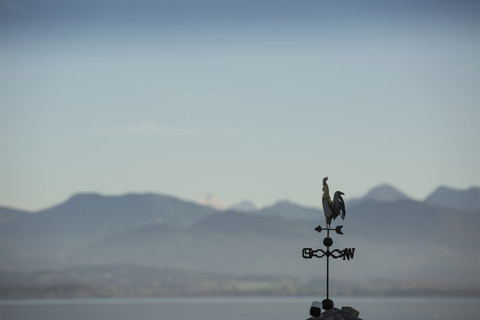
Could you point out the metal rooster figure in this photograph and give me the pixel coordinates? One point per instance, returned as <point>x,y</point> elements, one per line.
<point>331,209</point>
<point>335,208</point>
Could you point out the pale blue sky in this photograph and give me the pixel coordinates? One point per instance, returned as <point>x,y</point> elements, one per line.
<point>242,100</point>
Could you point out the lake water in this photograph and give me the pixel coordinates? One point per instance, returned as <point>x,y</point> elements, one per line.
<point>234,308</point>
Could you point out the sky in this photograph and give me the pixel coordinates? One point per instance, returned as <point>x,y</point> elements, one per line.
<point>253,100</point>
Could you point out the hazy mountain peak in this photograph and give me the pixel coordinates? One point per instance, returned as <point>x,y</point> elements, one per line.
<point>286,204</point>
<point>288,209</point>
<point>214,202</point>
<point>385,193</point>
<point>78,200</point>
<point>463,199</point>
<point>83,196</point>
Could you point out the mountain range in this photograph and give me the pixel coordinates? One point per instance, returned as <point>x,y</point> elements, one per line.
<point>396,238</point>
<point>443,196</point>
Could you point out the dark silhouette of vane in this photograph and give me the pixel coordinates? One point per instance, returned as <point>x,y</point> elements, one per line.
<point>332,209</point>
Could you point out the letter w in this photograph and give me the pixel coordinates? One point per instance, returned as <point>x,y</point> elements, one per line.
<point>348,253</point>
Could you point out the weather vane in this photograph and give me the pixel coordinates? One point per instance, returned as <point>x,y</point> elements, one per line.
<point>331,209</point>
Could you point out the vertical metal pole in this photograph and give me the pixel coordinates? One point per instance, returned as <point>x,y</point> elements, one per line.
<point>328,260</point>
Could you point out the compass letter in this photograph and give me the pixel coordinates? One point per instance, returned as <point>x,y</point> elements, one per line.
<point>348,253</point>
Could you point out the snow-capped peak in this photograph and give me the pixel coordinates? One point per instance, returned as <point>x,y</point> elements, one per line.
<point>214,202</point>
